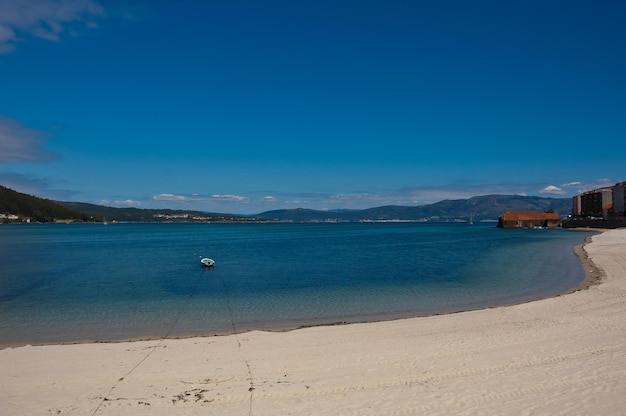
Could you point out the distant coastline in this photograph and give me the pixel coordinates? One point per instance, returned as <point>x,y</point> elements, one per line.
<point>19,207</point>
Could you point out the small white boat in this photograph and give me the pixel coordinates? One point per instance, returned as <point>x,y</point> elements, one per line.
<point>207,262</point>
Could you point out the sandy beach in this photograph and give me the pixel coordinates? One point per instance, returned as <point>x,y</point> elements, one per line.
<point>564,355</point>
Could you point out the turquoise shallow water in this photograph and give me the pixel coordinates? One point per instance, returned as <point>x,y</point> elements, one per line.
<point>65,283</point>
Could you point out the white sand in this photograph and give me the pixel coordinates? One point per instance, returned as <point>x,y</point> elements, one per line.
<point>559,356</point>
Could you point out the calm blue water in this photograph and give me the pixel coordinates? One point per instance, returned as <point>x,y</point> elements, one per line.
<point>63,283</point>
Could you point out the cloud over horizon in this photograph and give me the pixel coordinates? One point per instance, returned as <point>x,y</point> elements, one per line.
<point>267,201</point>
<point>552,190</point>
<point>414,196</point>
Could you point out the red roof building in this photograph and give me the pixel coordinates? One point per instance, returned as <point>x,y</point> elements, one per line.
<point>529,219</point>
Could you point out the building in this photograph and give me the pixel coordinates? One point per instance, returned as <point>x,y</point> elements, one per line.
<point>596,203</point>
<point>529,219</point>
<point>605,203</point>
<point>619,200</point>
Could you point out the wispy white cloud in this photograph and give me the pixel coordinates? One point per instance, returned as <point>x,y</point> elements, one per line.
<point>236,198</point>
<point>171,197</point>
<point>45,19</point>
<point>120,203</point>
<point>257,202</point>
<point>577,187</point>
<point>21,144</point>
<point>199,198</point>
<point>552,190</point>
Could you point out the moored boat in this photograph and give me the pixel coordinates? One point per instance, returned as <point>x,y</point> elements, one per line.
<point>207,262</point>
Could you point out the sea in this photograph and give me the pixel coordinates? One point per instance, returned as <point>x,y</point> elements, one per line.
<point>65,283</point>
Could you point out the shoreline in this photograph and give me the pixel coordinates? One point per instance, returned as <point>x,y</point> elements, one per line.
<point>593,276</point>
<point>561,355</point>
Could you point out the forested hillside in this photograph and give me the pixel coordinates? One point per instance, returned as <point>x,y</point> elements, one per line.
<point>36,209</point>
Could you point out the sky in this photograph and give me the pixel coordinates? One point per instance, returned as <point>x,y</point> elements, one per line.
<point>247,106</point>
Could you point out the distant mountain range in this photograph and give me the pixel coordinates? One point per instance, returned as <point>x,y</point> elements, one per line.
<point>479,208</point>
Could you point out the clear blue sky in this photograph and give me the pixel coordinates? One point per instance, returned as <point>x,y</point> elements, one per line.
<point>247,106</point>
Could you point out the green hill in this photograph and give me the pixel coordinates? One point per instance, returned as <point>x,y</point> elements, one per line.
<point>37,209</point>
<point>152,215</point>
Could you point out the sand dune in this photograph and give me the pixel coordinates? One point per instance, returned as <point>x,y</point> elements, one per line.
<point>560,356</point>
